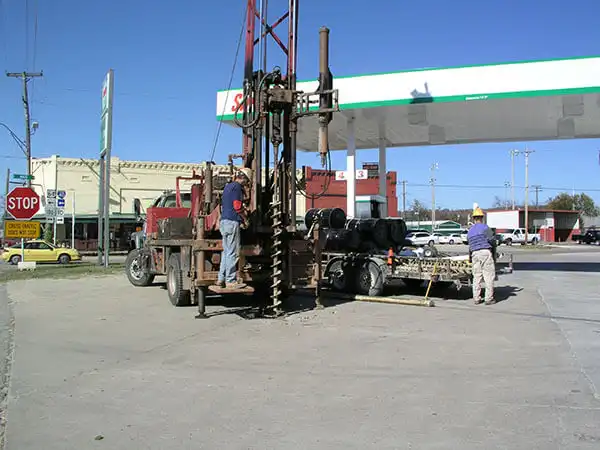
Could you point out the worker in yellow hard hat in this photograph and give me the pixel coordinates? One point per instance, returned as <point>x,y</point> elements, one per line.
<point>481,251</point>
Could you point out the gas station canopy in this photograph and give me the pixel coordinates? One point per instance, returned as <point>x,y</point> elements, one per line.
<point>520,101</point>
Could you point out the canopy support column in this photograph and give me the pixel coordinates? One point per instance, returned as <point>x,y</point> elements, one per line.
<point>350,169</point>
<point>383,172</point>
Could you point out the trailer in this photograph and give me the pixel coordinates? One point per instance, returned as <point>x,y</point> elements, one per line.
<point>369,274</point>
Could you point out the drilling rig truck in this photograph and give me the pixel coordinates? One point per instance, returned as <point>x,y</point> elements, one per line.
<point>183,241</point>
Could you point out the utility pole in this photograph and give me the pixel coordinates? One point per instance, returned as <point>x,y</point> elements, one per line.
<point>527,152</point>
<point>403,199</point>
<point>7,190</point>
<point>538,188</point>
<point>25,77</point>
<point>434,167</point>
<point>513,153</point>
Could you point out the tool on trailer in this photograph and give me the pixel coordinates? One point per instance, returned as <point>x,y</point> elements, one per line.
<point>432,279</point>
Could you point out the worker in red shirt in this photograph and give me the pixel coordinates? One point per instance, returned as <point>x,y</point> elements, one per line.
<point>233,216</point>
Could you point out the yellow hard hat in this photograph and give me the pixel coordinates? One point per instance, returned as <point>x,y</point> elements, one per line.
<point>477,211</point>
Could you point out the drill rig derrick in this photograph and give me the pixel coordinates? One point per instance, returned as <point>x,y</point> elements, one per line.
<point>271,106</point>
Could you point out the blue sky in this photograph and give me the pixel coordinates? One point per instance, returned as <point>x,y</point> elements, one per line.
<point>170,58</point>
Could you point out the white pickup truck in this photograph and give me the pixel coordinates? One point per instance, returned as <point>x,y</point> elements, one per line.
<point>517,236</point>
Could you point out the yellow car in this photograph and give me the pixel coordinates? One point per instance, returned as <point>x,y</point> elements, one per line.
<point>40,251</point>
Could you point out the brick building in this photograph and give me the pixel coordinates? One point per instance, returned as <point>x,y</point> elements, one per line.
<point>334,192</point>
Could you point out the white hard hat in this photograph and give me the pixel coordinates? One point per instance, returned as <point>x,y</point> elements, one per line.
<point>247,172</point>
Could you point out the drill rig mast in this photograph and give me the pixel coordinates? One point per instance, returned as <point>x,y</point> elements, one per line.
<point>270,109</point>
<point>184,243</point>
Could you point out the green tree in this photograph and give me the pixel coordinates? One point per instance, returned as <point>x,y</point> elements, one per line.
<point>419,210</point>
<point>47,233</point>
<point>582,203</point>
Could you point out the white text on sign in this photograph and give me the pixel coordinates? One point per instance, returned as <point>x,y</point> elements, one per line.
<point>22,203</point>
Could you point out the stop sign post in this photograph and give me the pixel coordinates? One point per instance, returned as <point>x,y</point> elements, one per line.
<point>22,203</point>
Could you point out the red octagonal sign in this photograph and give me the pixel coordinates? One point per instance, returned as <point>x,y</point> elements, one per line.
<point>22,203</point>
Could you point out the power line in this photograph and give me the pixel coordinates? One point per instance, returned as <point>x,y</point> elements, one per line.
<point>237,52</point>
<point>474,186</point>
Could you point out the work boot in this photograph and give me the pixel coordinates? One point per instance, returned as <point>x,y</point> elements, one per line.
<point>490,302</point>
<point>220,284</point>
<point>235,285</point>
<point>478,302</point>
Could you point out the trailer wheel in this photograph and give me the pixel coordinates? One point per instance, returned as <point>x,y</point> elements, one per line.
<point>430,252</point>
<point>177,295</point>
<point>137,270</point>
<point>335,274</point>
<point>370,280</point>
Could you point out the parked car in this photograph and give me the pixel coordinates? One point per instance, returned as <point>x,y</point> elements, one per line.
<point>451,239</point>
<point>38,250</point>
<point>590,237</point>
<point>420,238</point>
<point>517,236</point>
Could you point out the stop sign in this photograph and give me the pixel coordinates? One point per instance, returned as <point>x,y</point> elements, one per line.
<point>22,203</point>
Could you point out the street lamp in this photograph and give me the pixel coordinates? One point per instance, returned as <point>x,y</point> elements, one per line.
<point>16,138</point>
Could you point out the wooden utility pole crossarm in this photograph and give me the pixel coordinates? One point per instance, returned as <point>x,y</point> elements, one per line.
<point>25,77</point>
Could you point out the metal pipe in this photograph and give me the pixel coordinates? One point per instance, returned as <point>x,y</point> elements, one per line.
<point>200,261</point>
<point>323,75</point>
<point>100,210</point>
<point>367,298</point>
<point>208,205</point>
<point>73,220</point>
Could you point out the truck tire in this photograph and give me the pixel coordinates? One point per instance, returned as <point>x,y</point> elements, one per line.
<point>371,279</point>
<point>138,272</point>
<point>177,295</point>
<point>508,242</point>
<point>336,275</point>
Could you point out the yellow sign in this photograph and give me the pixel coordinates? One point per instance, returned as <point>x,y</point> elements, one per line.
<point>24,230</point>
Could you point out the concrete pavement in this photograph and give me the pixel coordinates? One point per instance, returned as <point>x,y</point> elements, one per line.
<point>100,364</point>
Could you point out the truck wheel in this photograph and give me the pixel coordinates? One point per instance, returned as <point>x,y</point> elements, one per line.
<point>370,280</point>
<point>137,270</point>
<point>177,295</point>
<point>430,252</point>
<point>14,260</point>
<point>336,275</point>
<point>508,242</point>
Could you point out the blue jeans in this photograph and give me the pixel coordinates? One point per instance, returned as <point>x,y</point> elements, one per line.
<point>230,230</point>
